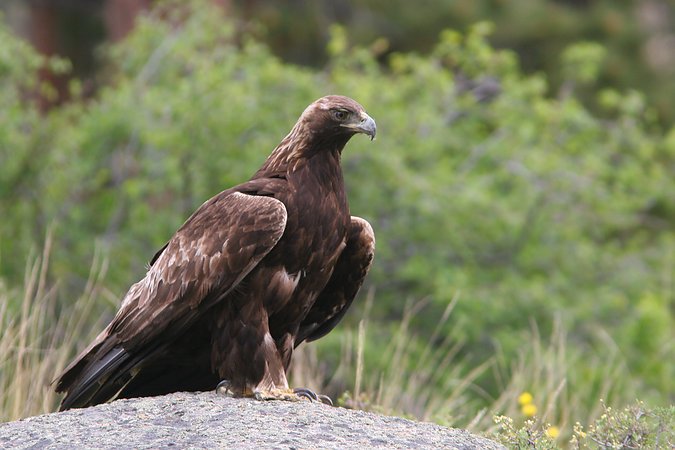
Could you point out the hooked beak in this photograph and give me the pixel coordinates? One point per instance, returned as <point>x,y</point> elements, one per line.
<point>365,125</point>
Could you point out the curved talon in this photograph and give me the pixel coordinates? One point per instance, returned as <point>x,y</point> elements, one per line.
<point>325,399</point>
<point>224,388</point>
<point>307,393</point>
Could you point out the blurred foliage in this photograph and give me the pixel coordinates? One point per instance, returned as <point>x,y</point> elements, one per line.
<point>479,186</point>
<point>638,35</point>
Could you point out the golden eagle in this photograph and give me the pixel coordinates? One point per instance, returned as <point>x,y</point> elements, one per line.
<point>255,271</point>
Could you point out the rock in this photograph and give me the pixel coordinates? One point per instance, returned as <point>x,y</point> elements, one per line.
<point>207,420</point>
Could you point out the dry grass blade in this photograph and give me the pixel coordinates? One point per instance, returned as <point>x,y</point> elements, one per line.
<point>38,340</point>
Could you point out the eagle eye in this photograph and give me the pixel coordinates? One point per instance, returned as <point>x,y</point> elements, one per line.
<point>340,114</point>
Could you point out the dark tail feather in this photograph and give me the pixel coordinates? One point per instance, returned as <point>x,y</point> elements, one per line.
<point>99,381</point>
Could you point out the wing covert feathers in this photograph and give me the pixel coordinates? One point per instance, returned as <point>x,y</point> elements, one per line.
<point>210,254</point>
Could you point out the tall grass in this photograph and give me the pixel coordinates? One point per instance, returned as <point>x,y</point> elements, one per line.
<point>419,383</point>
<point>568,383</point>
<point>38,338</point>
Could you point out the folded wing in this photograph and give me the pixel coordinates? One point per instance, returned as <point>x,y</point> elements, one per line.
<point>346,280</point>
<point>202,263</point>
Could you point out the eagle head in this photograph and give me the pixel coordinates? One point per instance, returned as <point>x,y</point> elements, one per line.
<point>338,118</point>
<point>324,128</point>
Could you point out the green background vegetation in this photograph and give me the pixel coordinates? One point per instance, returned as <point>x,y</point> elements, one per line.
<point>525,242</point>
<point>639,35</point>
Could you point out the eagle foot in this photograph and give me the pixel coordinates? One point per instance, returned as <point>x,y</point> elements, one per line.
<point>325,399</point>
<point>313,396</point>
<point>225,388</point>
<point>307,393</point>
<point>292,395</point>
<point>279,394</point>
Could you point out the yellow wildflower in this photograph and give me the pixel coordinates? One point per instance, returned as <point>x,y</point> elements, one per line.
<point>529,410</point>
<point>552,432</point>
<point>525,398</point>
